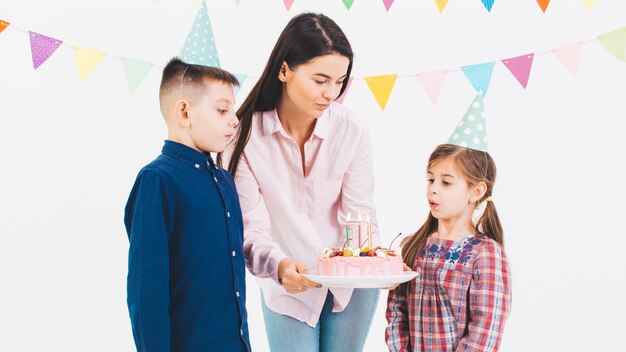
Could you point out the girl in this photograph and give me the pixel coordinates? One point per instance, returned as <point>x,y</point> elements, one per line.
<point>301,163</point>
<point>461,298</point>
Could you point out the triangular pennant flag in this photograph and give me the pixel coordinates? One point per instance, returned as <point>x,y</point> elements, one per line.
<point>388,4</point>
<point>543,4</point>
<point>348,3</point>
<point>488,4</point>
<point>381,87</point>
<point>615,42</point>
<point>471,132</point>
<point>288,4</point>
<point>199,47</point>
<point>441,4</point>
<point>433,83</point>
<point>86,61</point>
<point>345,92</point>
<point>136,71</point>
<point>589,4</point>
<point>42,48</point>
<point>569,55</point>
<point>3,25</point>
<point>237,2</point>
<point>520,67</point>
<point>479,76</point>
<point>241,77</point>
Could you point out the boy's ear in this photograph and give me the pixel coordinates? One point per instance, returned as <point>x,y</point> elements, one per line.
<point>181,115</point>
<point>478,191</point>
<point>282,73</point>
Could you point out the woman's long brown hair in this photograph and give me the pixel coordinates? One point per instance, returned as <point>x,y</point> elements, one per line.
<point>475,166</point>
<point>305,37</point>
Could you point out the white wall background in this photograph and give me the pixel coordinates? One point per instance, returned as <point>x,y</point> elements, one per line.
<point>69,153</point>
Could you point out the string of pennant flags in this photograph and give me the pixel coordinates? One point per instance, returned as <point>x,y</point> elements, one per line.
<point>441,4</point>
<point>200,48</point>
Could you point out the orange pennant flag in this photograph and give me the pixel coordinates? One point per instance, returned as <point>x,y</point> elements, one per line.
<point>381,87</point>
<point>3,25</point>
<point>543,4</point>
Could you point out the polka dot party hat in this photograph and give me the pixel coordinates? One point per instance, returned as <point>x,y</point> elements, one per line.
<point>199,48</point>
<point>471,132</point>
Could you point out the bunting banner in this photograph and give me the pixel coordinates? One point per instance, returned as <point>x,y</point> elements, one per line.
<point>288,4</point>
<point>348,3</point>
<point>478,75</point>
<point>241,77</point>
<point>381,87</point>
<point>387,4</point>
<point>3,25</point>
<point>543,4</point>
<point>589,4</point>
<point>441,4</point>
<point>569,56</point>
<point>488,4</point>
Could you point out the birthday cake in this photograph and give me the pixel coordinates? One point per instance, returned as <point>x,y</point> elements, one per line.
<point>359,262</point>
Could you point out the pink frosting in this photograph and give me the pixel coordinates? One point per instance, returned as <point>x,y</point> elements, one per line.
<point>360,266</point>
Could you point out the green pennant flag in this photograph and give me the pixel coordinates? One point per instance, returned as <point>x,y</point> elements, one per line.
<point>136,71</point>
<point>615,43</point>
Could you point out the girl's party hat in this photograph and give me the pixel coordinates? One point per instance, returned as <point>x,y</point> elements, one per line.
<point>199,48</point>
<point>471,132</point>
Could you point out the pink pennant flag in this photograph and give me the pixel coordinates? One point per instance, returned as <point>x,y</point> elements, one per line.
<point>388,3</point>
<point>345,92</point>
<point>569,55</point>
<point>432,82</point>
<point>288,4</point>
<point>42,48</point>
<point>520,67</point>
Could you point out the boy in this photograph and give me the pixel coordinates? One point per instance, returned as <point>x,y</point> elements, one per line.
<point>186,271</point>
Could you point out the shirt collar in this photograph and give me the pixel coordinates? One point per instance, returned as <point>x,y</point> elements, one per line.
<point>271,124</point>
<point>186,154</point>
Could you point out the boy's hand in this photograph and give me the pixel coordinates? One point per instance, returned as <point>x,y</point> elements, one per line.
<point>289,276</point>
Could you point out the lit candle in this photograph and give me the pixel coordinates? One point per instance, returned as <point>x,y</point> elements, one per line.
<point>369,232</point>
<point>348,231</point>
<point>359,232</point>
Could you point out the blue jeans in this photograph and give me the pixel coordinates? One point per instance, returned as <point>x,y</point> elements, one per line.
<point>343,331</point>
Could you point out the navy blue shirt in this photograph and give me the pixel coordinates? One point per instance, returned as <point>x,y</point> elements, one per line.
<point>186,271</point>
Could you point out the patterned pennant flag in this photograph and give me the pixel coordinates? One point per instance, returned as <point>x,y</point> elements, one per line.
<point>479,76</point>
<point>488,4</point>
<point>288,4</point>
<point>345,92</point>
<point>3,25</point>
<point>441,4</point>
<point>241,77</point>
<point>381,87</point>
<point>136,71</point>
<point>42,48</point>
<point>569,56</point>
<point>199,47</point>
<point>589,4</point>
<point>388,4</point>
<point>615,43</point>
<point>432,82</point>
<point>543,4</point>
<point>520,67</point>
<point>86,60</point>
<point>348,3</point>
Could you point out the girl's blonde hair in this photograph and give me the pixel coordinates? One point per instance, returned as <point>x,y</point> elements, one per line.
<point>475,166</point>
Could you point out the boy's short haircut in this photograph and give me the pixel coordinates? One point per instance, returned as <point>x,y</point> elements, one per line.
<point>177,73</point>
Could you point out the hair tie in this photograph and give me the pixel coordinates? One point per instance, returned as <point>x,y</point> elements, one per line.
<point>489,199</point>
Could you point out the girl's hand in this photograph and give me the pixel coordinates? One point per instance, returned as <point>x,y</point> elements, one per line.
<point>406,268</point>
<point>289,276</point>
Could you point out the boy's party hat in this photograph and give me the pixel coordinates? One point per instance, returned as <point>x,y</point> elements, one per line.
<point>199,47</point>
<point>471,132</point>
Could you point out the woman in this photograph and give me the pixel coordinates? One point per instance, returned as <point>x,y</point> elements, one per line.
<point>301,164</point>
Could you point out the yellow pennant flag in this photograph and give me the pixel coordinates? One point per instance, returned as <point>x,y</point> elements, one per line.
<point>441,4</point>
<point>381,87</point>
<point>589,4</point>
<point>87,60</point>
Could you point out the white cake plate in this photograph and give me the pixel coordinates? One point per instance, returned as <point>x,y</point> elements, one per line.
<point>361,281</point>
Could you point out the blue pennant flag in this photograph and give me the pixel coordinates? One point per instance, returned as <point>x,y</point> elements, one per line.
<point>479,76</point>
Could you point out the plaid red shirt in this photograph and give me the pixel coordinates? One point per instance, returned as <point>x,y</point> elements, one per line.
<point>459,301</point>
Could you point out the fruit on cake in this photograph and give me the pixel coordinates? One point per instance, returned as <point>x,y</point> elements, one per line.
<point>359,262</point>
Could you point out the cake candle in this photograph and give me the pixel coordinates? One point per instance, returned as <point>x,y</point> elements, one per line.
<point>369,232</point>
<point>348,231</point>
<point>359,232</point>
